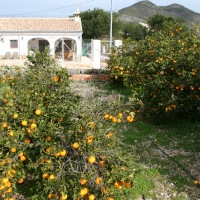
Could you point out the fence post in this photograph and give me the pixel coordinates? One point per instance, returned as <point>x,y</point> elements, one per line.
<point>96,54</point>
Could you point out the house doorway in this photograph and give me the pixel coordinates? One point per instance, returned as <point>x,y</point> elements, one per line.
<point>43,44</point>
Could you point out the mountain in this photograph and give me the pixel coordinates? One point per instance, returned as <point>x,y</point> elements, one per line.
<point>141,11</point>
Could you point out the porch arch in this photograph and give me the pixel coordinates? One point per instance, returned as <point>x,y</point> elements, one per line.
<point>65,49</point>
<point>37,43</point>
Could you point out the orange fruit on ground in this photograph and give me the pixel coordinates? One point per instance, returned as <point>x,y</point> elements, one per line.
<point>63,153</point>
<point>98,180</point>
<point>110,198</point>
<point>83,181</point>
<point>4,125</point>
<point>91,197</point>
<point>24,123</point>
<point>38,112</point>
<point>75,145</point>
<point>51,177</point>
<point>196,182</point>
<point>20,180</point>
<point>84,191</point>
<point>15,116</point>
<point>91,159</point>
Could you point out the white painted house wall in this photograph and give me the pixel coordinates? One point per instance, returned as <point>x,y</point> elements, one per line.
<point>25,41</point>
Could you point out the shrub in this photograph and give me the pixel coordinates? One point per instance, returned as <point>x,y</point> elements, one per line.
<point>164,70</point>
<point>48,151</point>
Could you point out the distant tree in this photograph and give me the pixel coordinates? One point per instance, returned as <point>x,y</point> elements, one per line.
<point>134,31</point>
<point>156,22</point>
<point>96,24</point>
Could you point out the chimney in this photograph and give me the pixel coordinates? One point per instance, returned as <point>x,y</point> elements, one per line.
<point>77,15</point>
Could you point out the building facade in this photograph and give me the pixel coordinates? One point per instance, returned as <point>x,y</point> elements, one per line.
<point>20,36</point>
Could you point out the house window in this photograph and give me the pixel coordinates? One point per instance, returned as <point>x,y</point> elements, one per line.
<point>13,44</point>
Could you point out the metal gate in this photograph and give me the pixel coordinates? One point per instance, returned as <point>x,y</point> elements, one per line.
<point>87,48</point>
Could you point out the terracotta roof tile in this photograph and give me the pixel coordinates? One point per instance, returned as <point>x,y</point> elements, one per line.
<point>39,24</point>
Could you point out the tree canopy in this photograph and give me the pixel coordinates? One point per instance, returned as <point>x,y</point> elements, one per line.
<point>96,24</point>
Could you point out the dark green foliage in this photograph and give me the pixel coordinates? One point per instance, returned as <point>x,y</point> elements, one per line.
<point>96,24</point>
<point>134,31</point>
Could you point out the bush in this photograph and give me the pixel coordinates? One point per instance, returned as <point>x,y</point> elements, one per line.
<point>164,70</point>
<point>48,151</point>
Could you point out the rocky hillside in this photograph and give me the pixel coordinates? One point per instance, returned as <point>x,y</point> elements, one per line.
<point>141,11</point>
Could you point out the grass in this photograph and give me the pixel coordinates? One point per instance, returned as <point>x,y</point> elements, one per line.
<point>179,139</point>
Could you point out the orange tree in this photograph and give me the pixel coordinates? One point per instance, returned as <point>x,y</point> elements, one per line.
<point>164,69</point>
<point>48,151</point>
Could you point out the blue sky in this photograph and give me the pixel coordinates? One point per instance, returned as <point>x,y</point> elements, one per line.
<point>64,8</point>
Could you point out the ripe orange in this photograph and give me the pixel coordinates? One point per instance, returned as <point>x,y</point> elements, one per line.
<point>4,125</point>
<point>20,180</point>
<point>109,134</point>
<point>48,150</point>
<point>8,184</point>
<point>90,139</point>
<point>24,123</point>
<point>128,185</point>
<point>63,153</point>
<point>91,159</point>
<point>50,196</point>
<point>91,197</point>
<point>55,78</point>
<point>11,134</point>
<point>15,116</point>
<point>45,176</point>
<point>33,126</point>
<point>129,118</point>
<point>27,141</point>
<point>83,181</point>
<point>98,180</point>
<point>120,114</point>
<point>114,119</point>
<point>110,198</point>
<point>75,145</point>
<point>5,180</point>
<point>84,191</point>
<point>3,162</point>
<point>196,182</point>
<point>101,163</point>
<point>38,112</point>
<point>48,138</point>
<point>106,116</point>
<point>13,150</point>
<point>22,158</point>
<point>51,177</point>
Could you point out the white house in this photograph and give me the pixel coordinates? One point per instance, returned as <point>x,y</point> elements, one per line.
<point>62,35</point>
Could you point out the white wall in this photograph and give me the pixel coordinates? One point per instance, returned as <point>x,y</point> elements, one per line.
<point>25,39</point>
